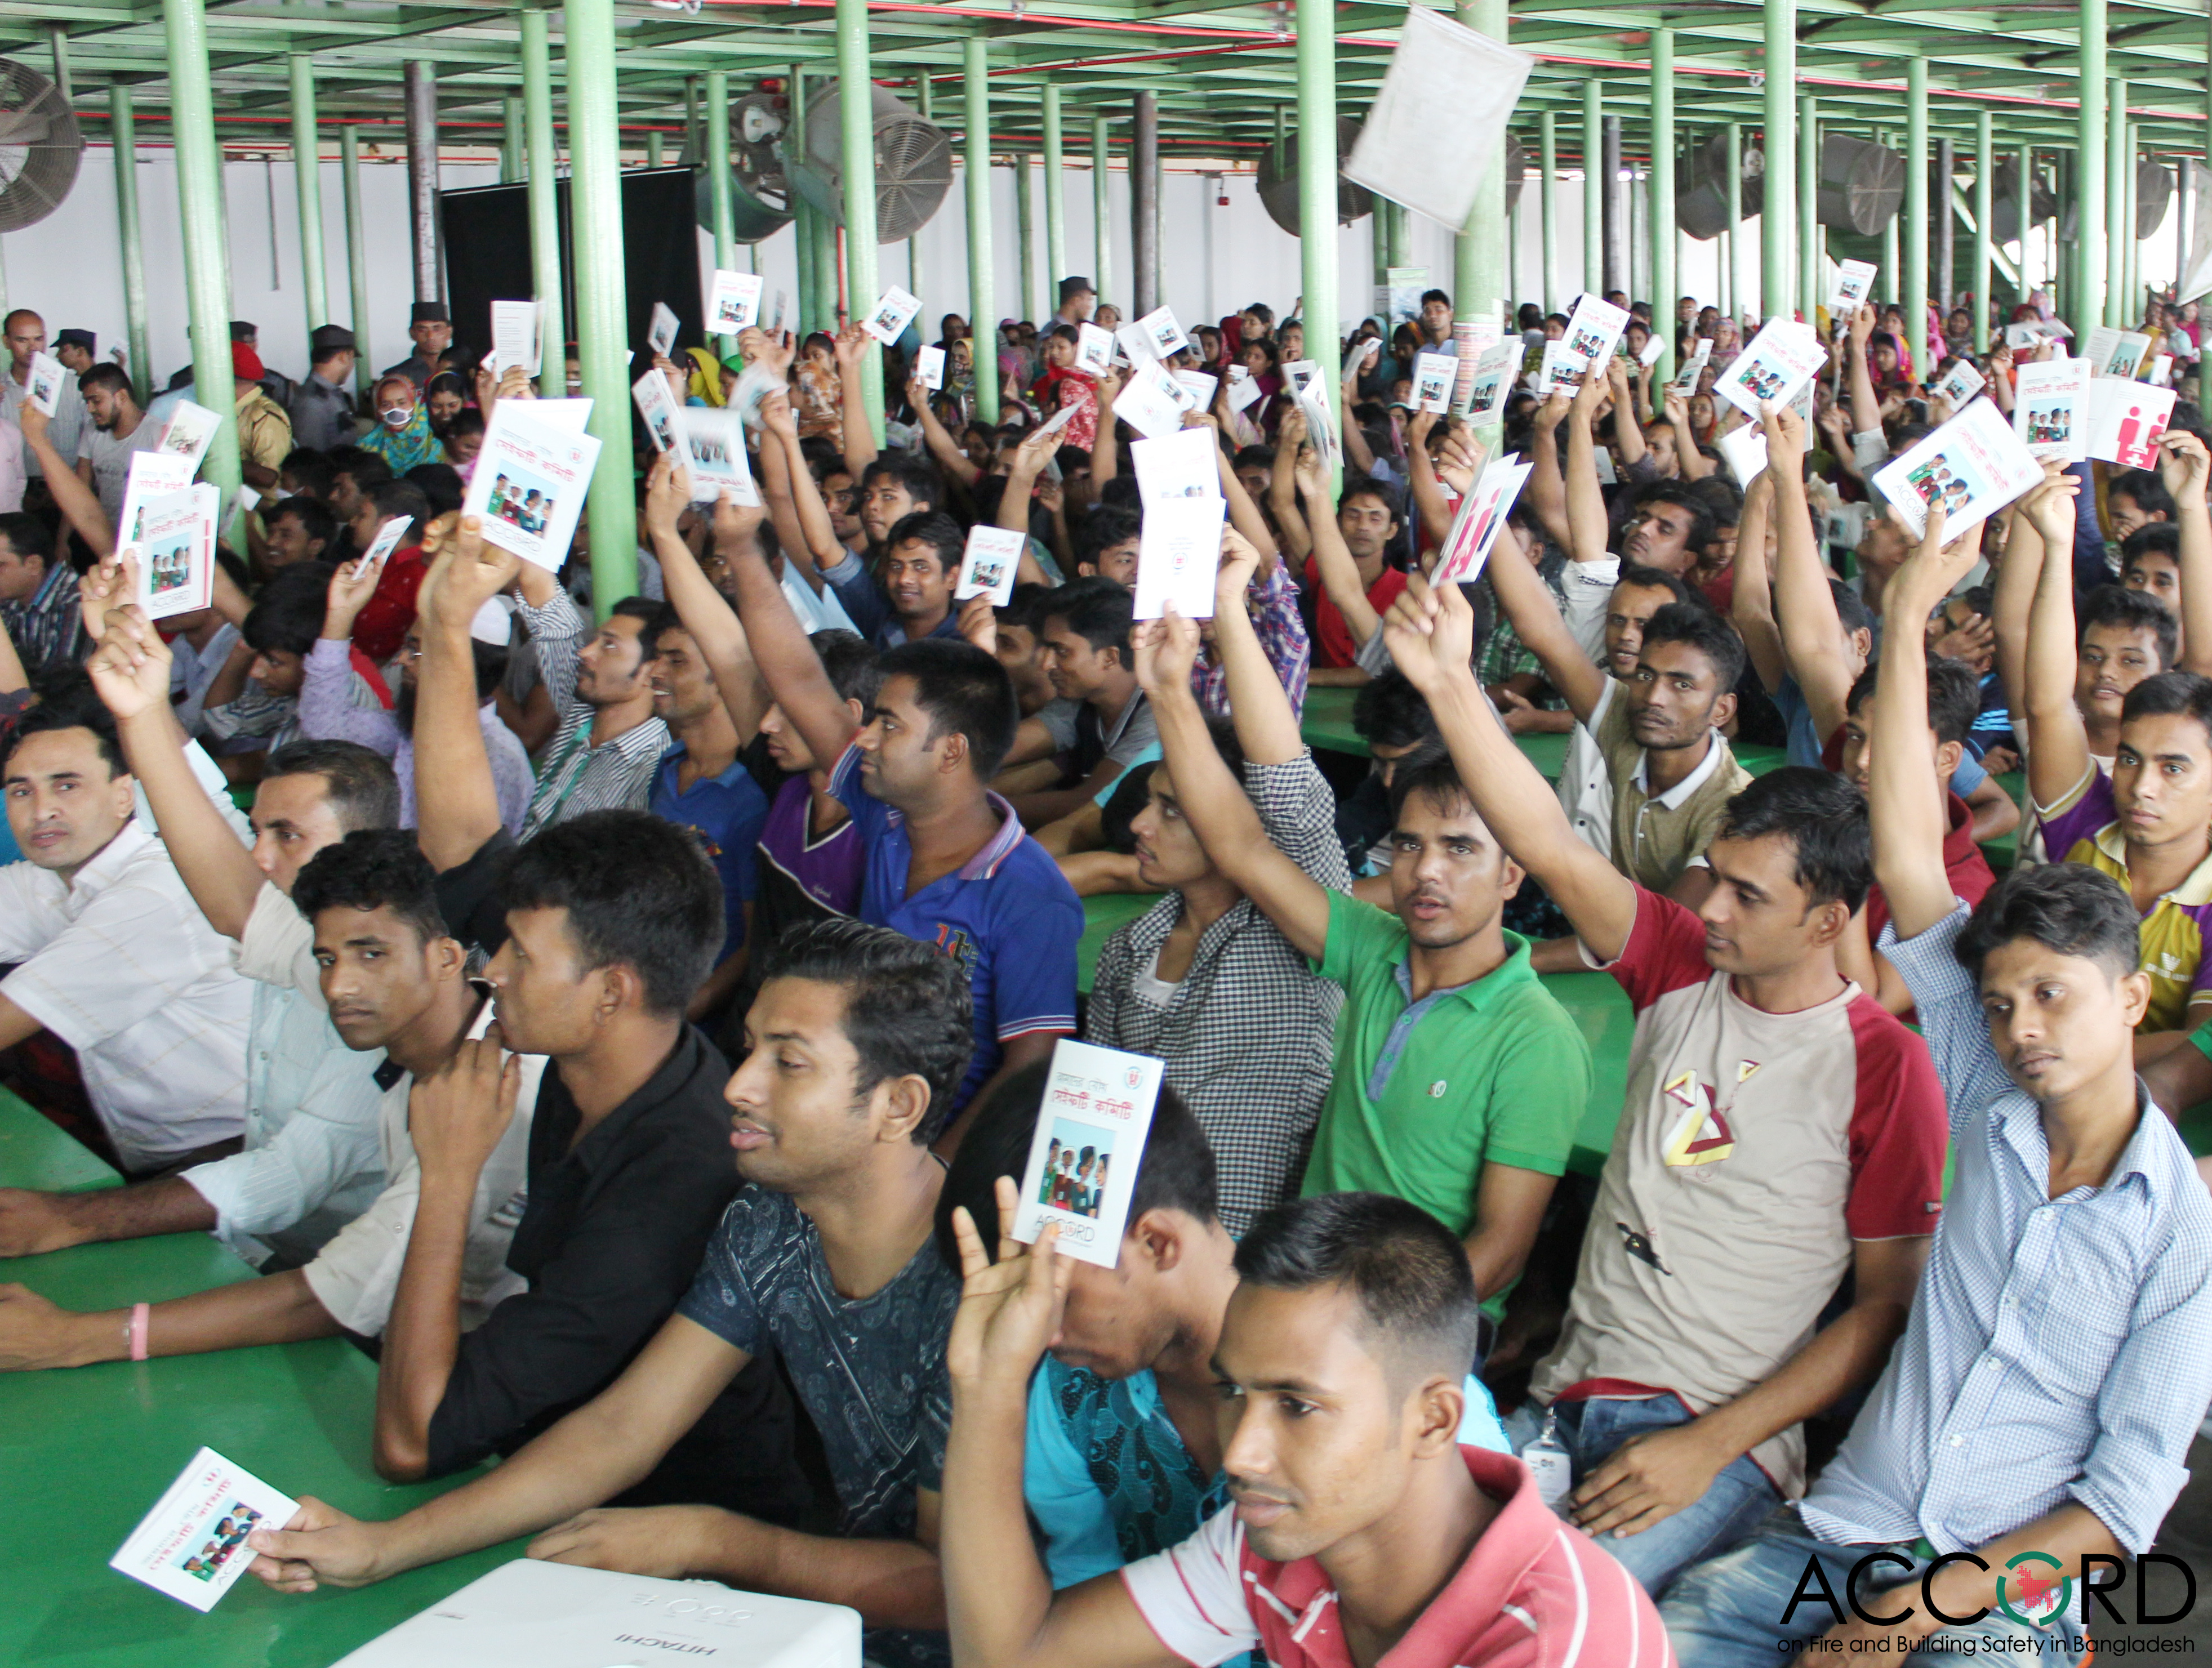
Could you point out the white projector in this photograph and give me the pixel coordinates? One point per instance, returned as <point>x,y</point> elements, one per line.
<point>561,1615</point>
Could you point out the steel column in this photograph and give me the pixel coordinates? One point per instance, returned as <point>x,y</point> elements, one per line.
<point>715,151</point>
<point>1101,210</point>
<point>1777,219</point>
<point>1317,167</point>
<point>587,57</point>
<point>1732,199</point>
<point>1984,234</point>
<point>1145,203</point>
<point>356,251</point>
<point>2117,232</point>
<point>803,239</point>
<point>1664,277</point>
<point>982,306</point>
<point>1615,199</point>
<point>199,187</point>
<point>1808,213</point>
<point>420,82</point>
<point>123,127</point>
<point>1547,146</point>
<point>2086,304</point>
<point>307,180</point>
<point>511,170</point>
<point>1944,281</point>
<point>855,94</point>
<point>1480,279</point>
<point>1914,292</point>
<point>1025,242</point>
<point>1593,184</point>
<point>1056,198</point>
<point>542,173</point>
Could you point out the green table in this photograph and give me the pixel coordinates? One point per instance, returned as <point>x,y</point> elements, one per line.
<point>87,1453</point>
<point>1327,721</point>
<point>1601,1011</point>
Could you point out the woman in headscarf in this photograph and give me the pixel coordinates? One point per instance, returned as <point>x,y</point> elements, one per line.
<point>1728,342</point>
<point>401,435</point>
<point>820,396</point>
<point>443,397</point>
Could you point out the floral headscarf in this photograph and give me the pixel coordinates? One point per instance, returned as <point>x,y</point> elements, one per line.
<point>410,444</point>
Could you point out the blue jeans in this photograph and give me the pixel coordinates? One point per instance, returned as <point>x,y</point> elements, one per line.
<point>1730,1509</point>
<point>1726,1612</point>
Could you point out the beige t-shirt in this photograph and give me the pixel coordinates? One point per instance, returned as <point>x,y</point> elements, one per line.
<point>1655,838</point>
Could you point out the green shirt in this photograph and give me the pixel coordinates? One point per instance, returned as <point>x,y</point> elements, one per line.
<point>1425,1094</point>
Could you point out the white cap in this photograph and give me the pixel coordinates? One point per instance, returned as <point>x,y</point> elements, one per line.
<point>493,624</point>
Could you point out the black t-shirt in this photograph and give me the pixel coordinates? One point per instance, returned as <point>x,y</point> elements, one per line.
<point>613,1235</point>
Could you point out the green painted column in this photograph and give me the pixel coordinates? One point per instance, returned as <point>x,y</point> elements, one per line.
<point>802,217</point>
<point>1102,207</point>
<point>199,203</point>
<point>1317,167</point>
<point>356,251</point>
<point>1808,210</point>
<point>1056,196</point>
<point>982,302</point>
<point>855,95</point>
<point>2119,232</point>
<point>307,178</point>
<point>1484,262</point>
<point>587,57</point>
<point>1893,262</point>
<point>123,127</point>
<point>1913,290</point>
<point>1025,242</point>
<point>1547,145</point>
<point>2086,306</point>
<point>827,274</point>
<point>1778,220</point>
<point>1732,208</point>
<point>1662,194</point>
<point>542,174</point>
<point>652,151</point>
<point>1984,241</point>
<point>716,154</point>
<point>512,169</point>
<point>1593,186</point>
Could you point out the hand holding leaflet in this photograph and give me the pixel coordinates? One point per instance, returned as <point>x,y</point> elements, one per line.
<point>660,337</point>
<point>1094,349</point>
<point>43,390</point>
<point>2125,419</point>
<point>2050,408</point>
<point>989,563</point>
<point>192,1546</point>
<point>1090,1138</point>
<point>175,552</point>
<point>1782,358</point>
<point>664,418</point>
<point>529,485</point>
<point>515,331</point>
<point>1481,517</point>
<point>716,442</point>
<point>1854,284</point>
<point>1432,380</point>
<point>929,368</point>
<point>1178,555</point>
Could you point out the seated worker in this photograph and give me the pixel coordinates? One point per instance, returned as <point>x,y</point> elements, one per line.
<point>1670,769</point>
<point>1123,1457</point>
<point>253,703</point>
<point>911,597</point>
<point>1954,698</point>
<point>311,1162</point>
<point>1347,574</point>
<point>2146,823</point>
<point>1363,1529</point>
<point>2072,1201</point>
<point>827,1255</point>
<point>328,712</point>
<point>1101,724</point>
<point>106,949</point>
<point>1459,1079</point>
<point>1390,717</point>
<point>1203,980</point>
<point>393,980</point>
<point>609,743</point>
<point>948,862</point>
<point>387,608</point>
<point>1782,1133</point>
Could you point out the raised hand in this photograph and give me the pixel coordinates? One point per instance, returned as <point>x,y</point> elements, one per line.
<point>111,582</point>
<point>130,670</point>
<point>1240,560</point>
<point>667,494</point>
<point>457,1115</point>
<point>1164,649</point>
<point>1429,632</point>
<point>735,523</point>
<point>2048,505</point>
<point>979,622</point>
<point>2184,467</point>
<point>350,590</point>
<point>1010,1309</point>
<point>467,570</point>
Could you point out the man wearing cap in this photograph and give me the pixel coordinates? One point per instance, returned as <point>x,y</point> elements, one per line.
<point>25,333</point>
<point>264,433</point>
<point>274,383</point>
<point>328,712</point>
<point>1077,299</point>
<point>78,350</point>
<point>431,330</point>
<point>322,410</point>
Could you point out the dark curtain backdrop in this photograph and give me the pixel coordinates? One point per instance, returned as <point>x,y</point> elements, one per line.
<point>487,234</point>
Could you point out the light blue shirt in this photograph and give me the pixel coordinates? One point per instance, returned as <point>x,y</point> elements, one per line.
<point>2059,1350</point>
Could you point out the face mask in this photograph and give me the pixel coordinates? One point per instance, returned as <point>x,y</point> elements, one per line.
<point>396,416</point>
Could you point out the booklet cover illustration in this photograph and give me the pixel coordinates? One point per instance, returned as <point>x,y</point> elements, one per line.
<point>192,1546</point>
<point>1083,1159</point>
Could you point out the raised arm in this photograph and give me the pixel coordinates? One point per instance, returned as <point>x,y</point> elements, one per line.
<point>1546,489</point>
<point>1106,451</point>
<point>1751,603</point>
<point>1528,604</point>
<point>1430,634</point>
<point>1586,518</point>
<point>1243,514</point>
<point>2184,469</point>
<point>1339,573</point>
<point>786,659</point>
<point>1903,796</point>
<point>1866,407</point>
<point>1283,486</point>
<point>1213,801</point>
<point>2020,568</point>
<point>1804,606</point>
<point>853,347</point>
<point>78,503</point>
<point>705,614</point>
<point>1429,502</point>
<point>1693,464</point>
<point>1267,728</point>
<point>131,671</point>
<point>466,572</point>
<point>2058,738</point>
<point>1357,452</point>
<point>1627,426</point>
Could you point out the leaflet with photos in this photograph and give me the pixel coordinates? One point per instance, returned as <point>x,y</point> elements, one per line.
<point>1094,349</point>
<point>1854,284</point>
<point>1470,337</point>
<point>1178,465</point>
<point>715,439</point>
<point>929,368</point>
<point>893,311</point>
<point>1685,379</point>
<point>989,563</point>
<point>188,431</point>
<point>2116,353</point>
<point>1482,516</point>
<point>174,551</point>
<point>42,391</point>
<point>192,1546</point>
<point>529,482</point>
<point>1090,1138</point>
<point>2049,412</point>
<point>1432,380</point>
<point>1493,375</point>
<point>1973,465</point>
<point>388,538</point>
<point>1151,401</point>
<point>149,474</point>
<point>1243,388</point>
<point>1178,553</point>
<point>662,416</point>
<point>733,303</point>
<point>1781,359</point>
<point>1161,330</point>
<point>1594,328</point>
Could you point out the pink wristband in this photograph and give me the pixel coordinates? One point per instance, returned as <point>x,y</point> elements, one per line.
<point>139,1314</point>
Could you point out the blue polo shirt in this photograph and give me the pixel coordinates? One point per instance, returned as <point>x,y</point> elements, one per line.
<point>1008,915</point>
<point>726,811</point>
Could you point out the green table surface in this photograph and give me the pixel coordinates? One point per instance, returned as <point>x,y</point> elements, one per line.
<point>85,1454</point>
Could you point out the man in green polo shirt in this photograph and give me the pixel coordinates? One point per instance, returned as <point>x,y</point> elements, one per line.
<point>1459,1079</point>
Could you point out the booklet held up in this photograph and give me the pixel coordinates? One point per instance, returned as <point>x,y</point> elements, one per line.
<point>529,486</point>
<point>1090,1138</point>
